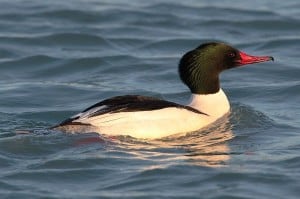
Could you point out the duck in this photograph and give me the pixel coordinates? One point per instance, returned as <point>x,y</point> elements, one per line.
<point>148,117</point>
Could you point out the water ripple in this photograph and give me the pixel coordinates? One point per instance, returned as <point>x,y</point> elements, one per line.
<point>57,58</point>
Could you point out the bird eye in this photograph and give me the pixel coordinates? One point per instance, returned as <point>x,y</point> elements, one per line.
<point>231,54</point>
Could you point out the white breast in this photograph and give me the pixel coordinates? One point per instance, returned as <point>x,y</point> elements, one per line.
<point>215,105</point>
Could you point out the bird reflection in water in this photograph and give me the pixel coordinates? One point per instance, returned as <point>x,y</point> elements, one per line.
<point>208,147</point>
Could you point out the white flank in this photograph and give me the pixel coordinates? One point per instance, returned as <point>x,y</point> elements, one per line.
<point>162,122</point>
<point>148,124</point>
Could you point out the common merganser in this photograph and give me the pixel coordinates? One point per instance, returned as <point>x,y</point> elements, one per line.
<point>148,117</point>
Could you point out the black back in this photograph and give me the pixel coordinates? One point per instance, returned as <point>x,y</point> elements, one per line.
<point>127,103</point>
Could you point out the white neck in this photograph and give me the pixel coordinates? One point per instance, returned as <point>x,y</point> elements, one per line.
<point>214,105</point>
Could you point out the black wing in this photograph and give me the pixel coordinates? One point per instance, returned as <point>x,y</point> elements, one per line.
<point>126,103</point>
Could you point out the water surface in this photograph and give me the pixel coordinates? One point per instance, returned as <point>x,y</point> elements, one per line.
<point>59,57</point>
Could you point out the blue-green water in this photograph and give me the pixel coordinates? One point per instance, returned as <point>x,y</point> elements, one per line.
<point>59,57</point>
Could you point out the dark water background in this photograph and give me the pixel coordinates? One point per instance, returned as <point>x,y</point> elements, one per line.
<point>59,57</point>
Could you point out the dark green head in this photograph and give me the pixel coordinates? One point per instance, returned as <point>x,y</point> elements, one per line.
<point>199,69</point>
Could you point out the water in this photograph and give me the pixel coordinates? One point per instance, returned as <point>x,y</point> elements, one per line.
<point>59,57</point>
